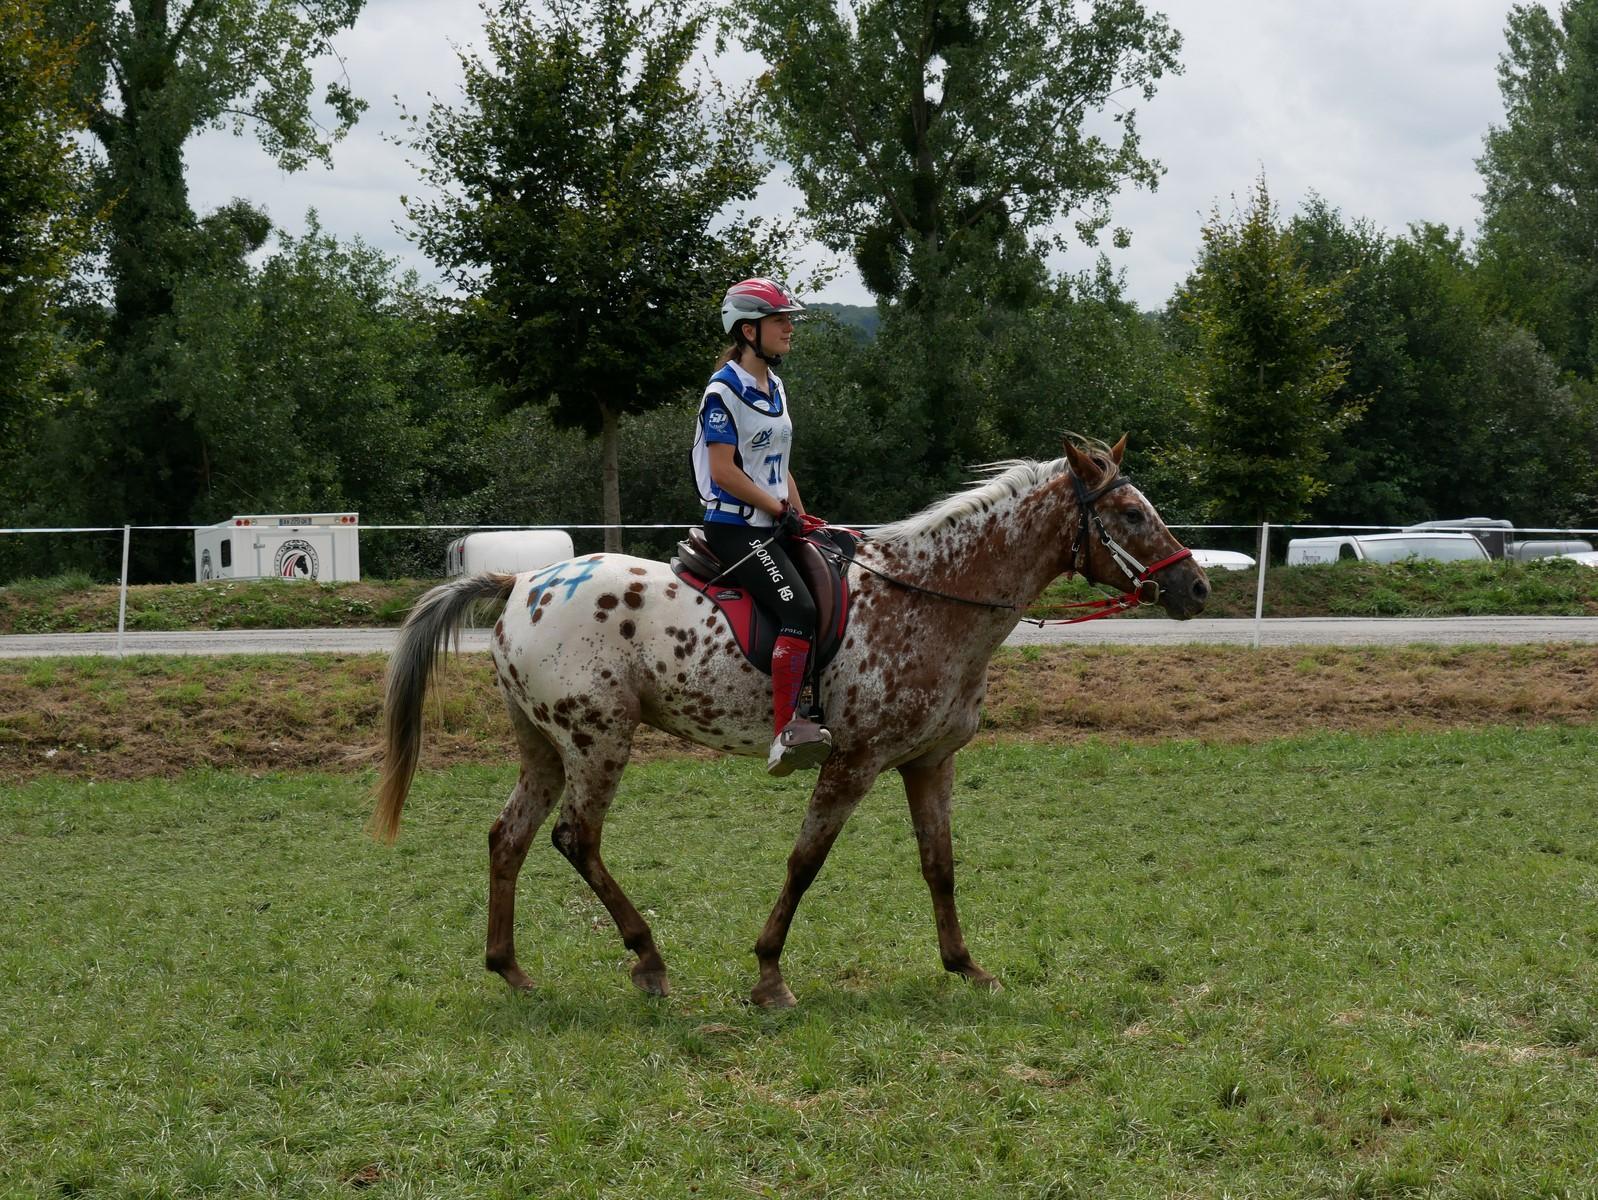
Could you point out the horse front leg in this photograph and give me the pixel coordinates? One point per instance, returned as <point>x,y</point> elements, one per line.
<point>930,790</point>
<point>837,793</point>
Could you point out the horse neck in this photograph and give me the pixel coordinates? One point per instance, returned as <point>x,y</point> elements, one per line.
<point>1006,553</point>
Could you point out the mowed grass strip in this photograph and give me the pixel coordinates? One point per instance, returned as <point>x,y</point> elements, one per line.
<point>151,716</point>
<point>1332,966</point>
<point>1544,587</point>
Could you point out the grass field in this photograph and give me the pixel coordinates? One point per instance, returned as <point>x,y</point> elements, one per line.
<point>1326,966</point>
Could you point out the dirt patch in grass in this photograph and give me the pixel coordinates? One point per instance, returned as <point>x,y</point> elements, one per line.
<point>100,718</point>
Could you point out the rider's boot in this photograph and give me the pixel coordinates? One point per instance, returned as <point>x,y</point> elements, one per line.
<point>800,743</point>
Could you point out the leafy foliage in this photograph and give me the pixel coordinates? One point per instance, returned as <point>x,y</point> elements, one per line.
<point>583,196</point>
<point>924,133</point>
<point>47,210</point>
<point>1263,378</point>
<point>1540,174</point>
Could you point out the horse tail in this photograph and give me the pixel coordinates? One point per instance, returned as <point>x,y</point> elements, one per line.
<point>427,633</point>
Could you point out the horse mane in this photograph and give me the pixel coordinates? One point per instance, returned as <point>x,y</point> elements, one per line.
<point>1005,480</point>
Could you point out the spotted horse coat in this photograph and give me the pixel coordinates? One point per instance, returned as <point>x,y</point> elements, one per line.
<point>587,650</point>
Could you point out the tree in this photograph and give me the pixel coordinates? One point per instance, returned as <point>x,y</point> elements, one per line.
<point>1539,243</point>
<point>940,143</point>
<point>1263,375</point>
<point>584,189</point>
<point>153,73</point>
<point>47,211</point>
<point>922,132</point>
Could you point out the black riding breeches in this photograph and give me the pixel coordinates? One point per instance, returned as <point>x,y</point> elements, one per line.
<point>768,574</point>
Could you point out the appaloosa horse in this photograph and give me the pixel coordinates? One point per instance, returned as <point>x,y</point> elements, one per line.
<point>584,656</point>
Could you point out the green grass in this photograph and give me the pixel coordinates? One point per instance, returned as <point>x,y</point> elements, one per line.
<point>1327,967</point>
<point>1549,587</point>
<point>71,604</point>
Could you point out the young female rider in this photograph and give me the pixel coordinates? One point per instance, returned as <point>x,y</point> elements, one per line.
<point>742,465</point>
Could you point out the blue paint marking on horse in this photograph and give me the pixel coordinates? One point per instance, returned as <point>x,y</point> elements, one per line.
<point>550,577</point>
<point>575,580</point>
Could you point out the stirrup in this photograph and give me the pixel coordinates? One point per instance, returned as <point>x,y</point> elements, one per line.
<point>801,745</point>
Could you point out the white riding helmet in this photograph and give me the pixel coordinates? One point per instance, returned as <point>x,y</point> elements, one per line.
<point>751,299</point>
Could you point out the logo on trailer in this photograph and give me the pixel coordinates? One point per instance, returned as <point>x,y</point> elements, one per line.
<point>205,564</point>
<point>296,559</point>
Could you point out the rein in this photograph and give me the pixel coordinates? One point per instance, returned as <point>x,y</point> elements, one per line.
<point>1145,589</point>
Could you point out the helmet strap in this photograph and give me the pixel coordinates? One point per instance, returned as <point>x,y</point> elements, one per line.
<point>771,360</point>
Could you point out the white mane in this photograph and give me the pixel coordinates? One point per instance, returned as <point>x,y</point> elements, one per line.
<point>1005,481</point>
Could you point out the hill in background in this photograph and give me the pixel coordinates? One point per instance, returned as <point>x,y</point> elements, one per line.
<point>861,318</point>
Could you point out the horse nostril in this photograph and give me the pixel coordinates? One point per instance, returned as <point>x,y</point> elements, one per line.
<point>1201,589</point>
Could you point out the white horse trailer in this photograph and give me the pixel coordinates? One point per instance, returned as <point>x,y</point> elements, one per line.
<point>507,551</point>
<point>324,546</point>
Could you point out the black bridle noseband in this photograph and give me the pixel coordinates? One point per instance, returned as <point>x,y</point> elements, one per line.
<point>1144,587</point>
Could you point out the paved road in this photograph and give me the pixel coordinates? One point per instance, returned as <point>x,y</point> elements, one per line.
<point>1310,631</point>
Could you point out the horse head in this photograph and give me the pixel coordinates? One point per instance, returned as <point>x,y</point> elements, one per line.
<point>1118,534</point>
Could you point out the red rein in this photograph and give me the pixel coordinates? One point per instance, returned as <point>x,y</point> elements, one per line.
<point>1109,606</point>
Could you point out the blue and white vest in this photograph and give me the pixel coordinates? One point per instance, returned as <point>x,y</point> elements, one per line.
<point>761,434</point>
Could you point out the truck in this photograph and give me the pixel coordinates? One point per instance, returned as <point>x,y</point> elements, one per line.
<point>292,546</point>
<point>1437,546</point>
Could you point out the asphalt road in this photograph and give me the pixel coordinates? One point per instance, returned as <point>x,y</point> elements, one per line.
<point>1306,631</point>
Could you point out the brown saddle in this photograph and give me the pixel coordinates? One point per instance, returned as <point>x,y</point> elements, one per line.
<point>754,628</point>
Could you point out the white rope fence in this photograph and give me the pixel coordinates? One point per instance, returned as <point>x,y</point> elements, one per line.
<point>1264,528</point>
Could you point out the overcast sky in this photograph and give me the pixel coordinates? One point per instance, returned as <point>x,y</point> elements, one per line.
<point>1380,107</point>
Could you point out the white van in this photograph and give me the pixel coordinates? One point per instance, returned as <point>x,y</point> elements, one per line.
<point>1435,546</point>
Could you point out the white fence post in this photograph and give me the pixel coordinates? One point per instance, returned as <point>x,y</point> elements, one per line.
<point>1259,587</point>
<point>122,604</point>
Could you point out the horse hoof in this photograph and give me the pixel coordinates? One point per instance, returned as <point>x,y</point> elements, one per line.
<point>516,978</point>
<point>653,983</point>
<point>774,995</point>
<point>985,982</point>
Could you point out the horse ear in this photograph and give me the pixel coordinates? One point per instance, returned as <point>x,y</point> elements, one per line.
<point>1081,464</point>
<point>1117,450</point>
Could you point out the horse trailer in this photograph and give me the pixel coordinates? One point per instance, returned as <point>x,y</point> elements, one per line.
<point>324,546</point>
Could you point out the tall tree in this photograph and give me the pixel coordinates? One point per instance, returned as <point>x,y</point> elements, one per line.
<point>153,73</point>
<point>923,131</point>
<point>47,210</point>
<point>583,196</point>
<point>942,144</point>
<point>1264,375</point>
<point>1539,243</point>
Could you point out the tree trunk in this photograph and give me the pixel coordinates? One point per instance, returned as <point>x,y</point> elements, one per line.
<point>609,447</point>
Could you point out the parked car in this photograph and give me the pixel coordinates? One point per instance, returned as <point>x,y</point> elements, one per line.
<point>1587,558</point>
<point>1223,560</point>
<point>1497,537</point>
<point>1436,546</point>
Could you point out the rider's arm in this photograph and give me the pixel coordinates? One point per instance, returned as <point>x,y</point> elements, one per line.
<point>729,477</point>
<point>793,495</point>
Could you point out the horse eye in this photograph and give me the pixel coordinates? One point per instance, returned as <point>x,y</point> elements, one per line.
<point>1132,516</point>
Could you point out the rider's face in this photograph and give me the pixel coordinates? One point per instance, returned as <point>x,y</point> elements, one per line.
<point>776,334</point>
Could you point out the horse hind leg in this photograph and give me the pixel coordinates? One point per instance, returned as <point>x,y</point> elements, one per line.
<point>592,774</point>
<point>537,788</point>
